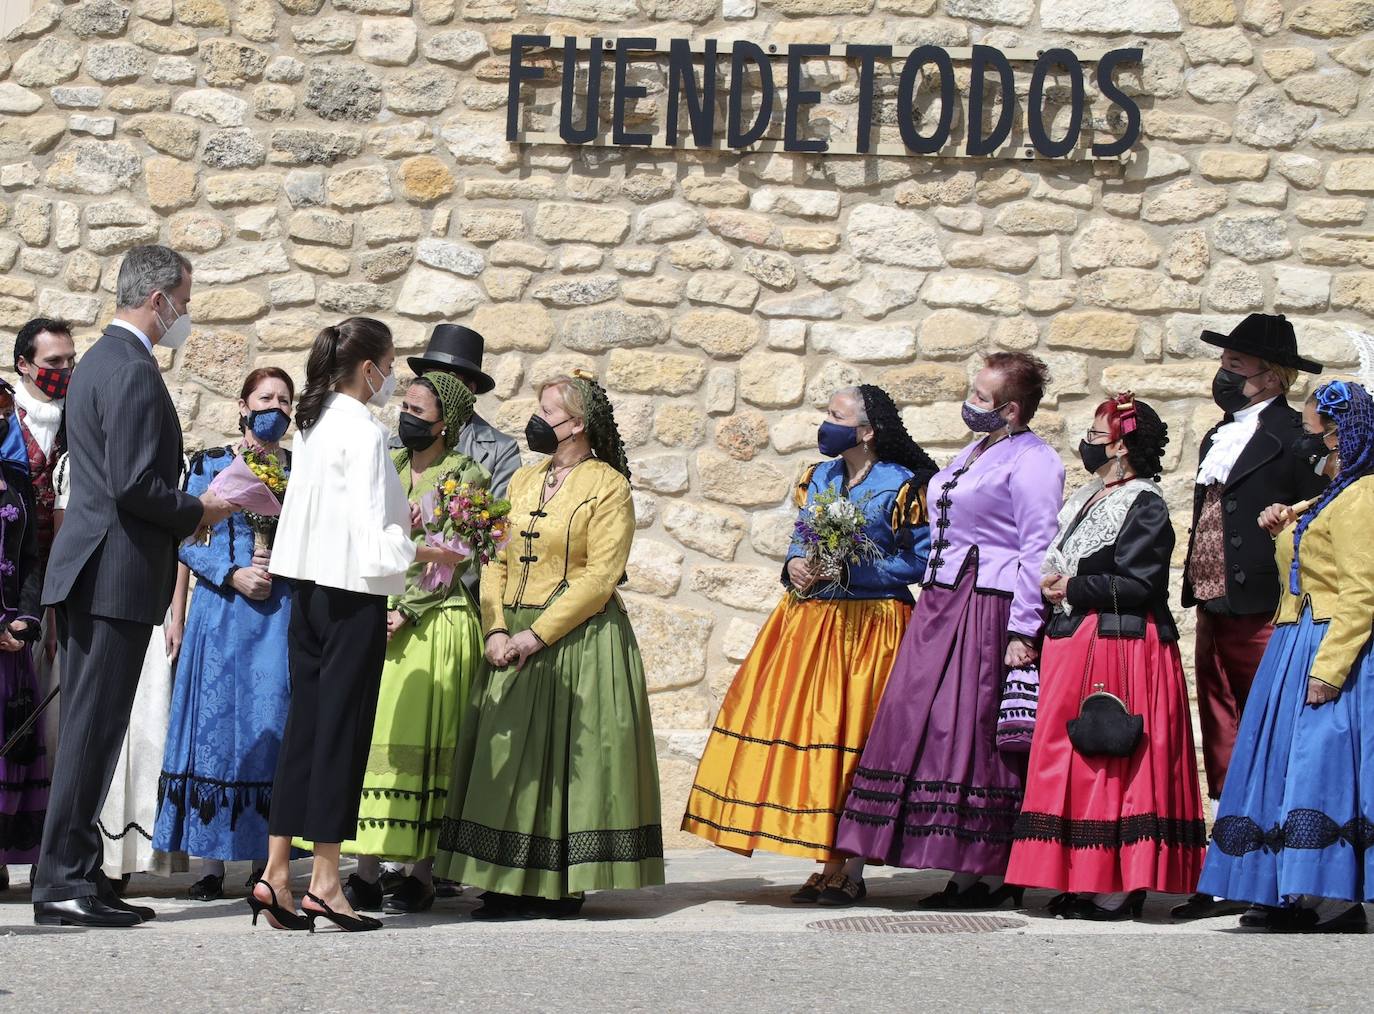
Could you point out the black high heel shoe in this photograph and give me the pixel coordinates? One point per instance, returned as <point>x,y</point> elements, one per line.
<point>347,923</point>
<point>1061,903</point>
<point>1131,908</point>
<point>981,896</point>
<point>277,916</point>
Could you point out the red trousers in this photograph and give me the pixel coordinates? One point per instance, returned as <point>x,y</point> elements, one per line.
<point>1228,652</point>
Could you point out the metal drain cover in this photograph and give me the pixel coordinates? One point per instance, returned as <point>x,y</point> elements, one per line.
<point>914,923</point>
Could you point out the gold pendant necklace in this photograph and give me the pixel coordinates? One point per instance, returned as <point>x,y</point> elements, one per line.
<point>553,472</point>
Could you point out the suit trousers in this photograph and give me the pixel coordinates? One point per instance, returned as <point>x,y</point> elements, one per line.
<point>336,646</point>
<point>1227,654</point>
<point>102,659</point>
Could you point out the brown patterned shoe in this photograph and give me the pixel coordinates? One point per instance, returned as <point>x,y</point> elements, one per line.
<point>809,892</point>
<point>841,891</point>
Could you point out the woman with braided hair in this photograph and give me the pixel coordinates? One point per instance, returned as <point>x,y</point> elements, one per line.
<point>778,765</point>
<point>433,650</point>
<point>1106,829</point>
<point>555,779</point>
<point>1296,817</point>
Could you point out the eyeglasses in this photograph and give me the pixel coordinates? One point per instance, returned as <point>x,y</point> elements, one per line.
<point>1091,436</point>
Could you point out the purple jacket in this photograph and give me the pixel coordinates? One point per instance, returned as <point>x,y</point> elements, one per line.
<point>1006,505</point>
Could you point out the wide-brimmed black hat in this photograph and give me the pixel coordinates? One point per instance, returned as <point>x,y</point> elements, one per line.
<point>1267,336</point>
<point>454,347</point>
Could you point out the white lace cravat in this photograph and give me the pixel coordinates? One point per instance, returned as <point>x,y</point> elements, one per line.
<point>1228,443</point>
<point>42,418</point>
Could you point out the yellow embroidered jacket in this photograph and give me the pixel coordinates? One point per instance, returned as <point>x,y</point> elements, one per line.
<point>576,544</point>
<point>1336,577</point>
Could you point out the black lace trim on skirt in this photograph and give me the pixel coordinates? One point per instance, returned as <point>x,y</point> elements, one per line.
<point>208,796</point>
<point>689,815</point>
<point>517,851</point>
<point>1111,834</point>
<point>133,825</point>
<point>1301,829</point>
<point>785,742</point>
<point>918,785</point>
<point>759,805</point>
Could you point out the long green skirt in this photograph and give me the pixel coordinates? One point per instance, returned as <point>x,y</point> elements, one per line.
<point>421,710</point>
<point>555,781</point>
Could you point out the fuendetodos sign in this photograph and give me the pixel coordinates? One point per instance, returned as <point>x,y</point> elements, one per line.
<point>691,85</point>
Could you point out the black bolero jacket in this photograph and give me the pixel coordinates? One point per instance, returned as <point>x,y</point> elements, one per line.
<point>1268,471</point>
<point>1138,562</point>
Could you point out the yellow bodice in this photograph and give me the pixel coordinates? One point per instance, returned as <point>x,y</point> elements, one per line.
<point>1336,578</point>
<point>576,544</point>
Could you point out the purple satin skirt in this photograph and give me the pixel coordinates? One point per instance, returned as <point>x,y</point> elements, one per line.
<point>932,791</point>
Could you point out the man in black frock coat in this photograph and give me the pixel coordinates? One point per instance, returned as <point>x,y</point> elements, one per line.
<point>1248,462</point>
<point>112,570</point>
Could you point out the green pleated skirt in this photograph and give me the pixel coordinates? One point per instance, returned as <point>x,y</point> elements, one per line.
<point>422,707</point>
<point>555,779</point>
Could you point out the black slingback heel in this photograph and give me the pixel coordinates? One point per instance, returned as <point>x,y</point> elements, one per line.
<point>347,923</point>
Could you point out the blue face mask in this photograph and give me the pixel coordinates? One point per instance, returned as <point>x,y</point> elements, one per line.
<point>268,424</point>
<point>833,439</point>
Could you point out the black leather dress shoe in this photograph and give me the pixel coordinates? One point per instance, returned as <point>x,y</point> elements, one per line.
<point>1204,906</point>
<point>88,911</point>
<point>362,895</point>
<point>144,913</point>
<point>411,896</point>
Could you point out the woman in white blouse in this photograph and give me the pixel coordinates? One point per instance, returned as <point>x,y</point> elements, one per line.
<point>344,541</point>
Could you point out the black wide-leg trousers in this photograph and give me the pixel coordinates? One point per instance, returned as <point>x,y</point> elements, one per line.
<point>337,646</point>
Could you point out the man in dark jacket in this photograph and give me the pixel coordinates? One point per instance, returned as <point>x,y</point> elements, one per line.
<point>1248,462</point>
<point>112,569</point>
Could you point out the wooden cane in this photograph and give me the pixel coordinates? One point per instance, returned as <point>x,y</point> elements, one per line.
<point>29,722</point>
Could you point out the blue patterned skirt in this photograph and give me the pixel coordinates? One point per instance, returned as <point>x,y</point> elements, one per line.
<point>229,707</point>
<point>1295,814</point>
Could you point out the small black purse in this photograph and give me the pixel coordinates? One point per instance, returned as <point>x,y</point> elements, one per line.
<point>1105,726</point>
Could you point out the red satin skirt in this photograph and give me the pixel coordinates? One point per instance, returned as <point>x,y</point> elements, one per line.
<point>1106,824</point>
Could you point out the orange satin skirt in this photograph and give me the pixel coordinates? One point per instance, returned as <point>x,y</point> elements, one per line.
<point>780,758</point>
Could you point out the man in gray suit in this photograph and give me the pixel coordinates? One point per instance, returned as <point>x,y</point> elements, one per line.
<point>458,350</point>
<point>112,569</point>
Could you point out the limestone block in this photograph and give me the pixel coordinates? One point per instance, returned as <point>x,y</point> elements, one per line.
<point>428,293</point>
<point>893,237</point>
<point>772,379</point>
<point>654,568</point>
<point>643,372</point>
<point>1094,331</point>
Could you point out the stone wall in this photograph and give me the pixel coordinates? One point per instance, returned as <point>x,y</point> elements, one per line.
<point>324,159</point>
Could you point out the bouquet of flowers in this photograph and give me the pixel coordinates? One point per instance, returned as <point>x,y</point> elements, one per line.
<point>255,483</point>
<point>831,532</point>
<point>464,519</point>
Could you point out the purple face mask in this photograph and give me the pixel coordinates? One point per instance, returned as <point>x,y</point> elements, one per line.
<point>983,420</point>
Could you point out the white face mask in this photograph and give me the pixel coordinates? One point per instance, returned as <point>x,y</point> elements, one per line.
<point>174,335</point>
<point>381,395</point>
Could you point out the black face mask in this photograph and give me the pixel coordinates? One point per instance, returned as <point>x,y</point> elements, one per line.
<point>541,437</point>
<point>1228,390</point>
<point>1093,456</point>
<point>1312,446</point>
<point>415,432</point>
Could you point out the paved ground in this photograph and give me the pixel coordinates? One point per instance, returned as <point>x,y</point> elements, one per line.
<point>721,936</point>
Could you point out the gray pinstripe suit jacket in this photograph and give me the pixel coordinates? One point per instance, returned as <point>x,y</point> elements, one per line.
<point>116,555</point>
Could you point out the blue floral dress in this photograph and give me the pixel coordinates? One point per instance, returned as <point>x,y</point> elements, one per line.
<point>229,701</point>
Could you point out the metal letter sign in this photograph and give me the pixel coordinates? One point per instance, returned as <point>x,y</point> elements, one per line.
<point>917,89</point>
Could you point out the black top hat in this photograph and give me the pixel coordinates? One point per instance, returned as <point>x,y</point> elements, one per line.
<point>1267,336</point>
<point>455,348</point>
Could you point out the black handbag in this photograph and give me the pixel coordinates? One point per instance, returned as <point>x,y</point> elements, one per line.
<point>1105,726</point>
